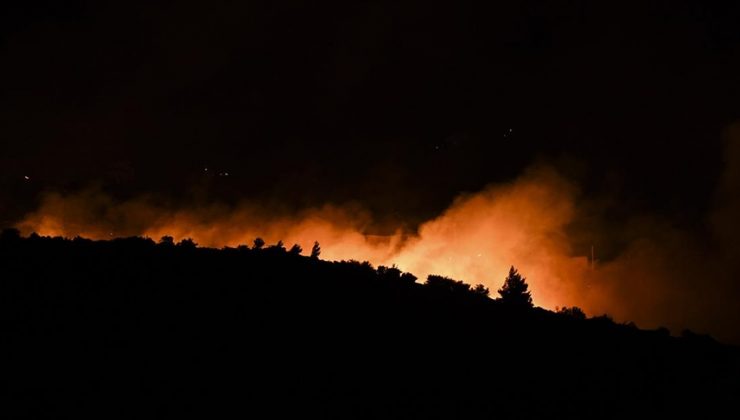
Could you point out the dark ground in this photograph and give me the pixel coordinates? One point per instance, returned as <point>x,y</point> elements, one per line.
<point>128,328</point>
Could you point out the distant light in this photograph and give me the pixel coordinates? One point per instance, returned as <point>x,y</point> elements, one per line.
<point>206,169</point>
<point>26,177</point>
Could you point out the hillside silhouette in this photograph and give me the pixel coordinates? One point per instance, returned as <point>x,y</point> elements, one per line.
<point>130,327</point>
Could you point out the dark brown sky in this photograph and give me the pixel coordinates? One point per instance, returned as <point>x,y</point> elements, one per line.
<point>396,105</point>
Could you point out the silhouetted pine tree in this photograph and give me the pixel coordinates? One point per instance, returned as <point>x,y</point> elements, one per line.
<point>514,290</point>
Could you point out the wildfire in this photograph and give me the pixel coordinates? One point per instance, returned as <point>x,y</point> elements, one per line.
<point>477,239</point>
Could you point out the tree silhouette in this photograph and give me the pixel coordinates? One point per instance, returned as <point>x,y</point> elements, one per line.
<point>514,291</point>
<point>187,243</point>
<point>315,250</point>
<point>278,248</point>
<point>408,278</point>
<point>258,243</point>
<point>573,312</point>
<point>446,284</point>
<point>389,273</point>
<point>480,289</point>
<point>296,249</point>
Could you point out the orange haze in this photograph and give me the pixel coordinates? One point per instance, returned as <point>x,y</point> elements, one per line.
<point>476,239</point>
<point>522,223</point>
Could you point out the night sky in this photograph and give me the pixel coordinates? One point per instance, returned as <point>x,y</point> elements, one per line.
<point>393,110</point>
<point>370,208</point>
<point>396,106</point>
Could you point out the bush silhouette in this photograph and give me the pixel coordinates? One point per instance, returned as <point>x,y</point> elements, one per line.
<point>187,243</point>
<point>389,273</point>
<point>315,250</point>
<point>573,312</point>
<point>446,284</point>
<point>481,290</point>
<point>258,243</point>
<point>408,278</point>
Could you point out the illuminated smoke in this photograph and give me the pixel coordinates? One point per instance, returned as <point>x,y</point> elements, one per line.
<point>662,277</point>
<point>476,239</point>
<point>481,235</point>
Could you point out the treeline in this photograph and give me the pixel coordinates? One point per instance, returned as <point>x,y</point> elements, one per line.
<point>129,326</point>
<point>514,291</point>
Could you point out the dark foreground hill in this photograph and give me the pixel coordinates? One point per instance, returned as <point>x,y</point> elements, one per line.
<point>127,328</point>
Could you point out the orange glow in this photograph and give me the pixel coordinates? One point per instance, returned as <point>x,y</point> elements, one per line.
<point>522,223</point>
<point>475,240</point>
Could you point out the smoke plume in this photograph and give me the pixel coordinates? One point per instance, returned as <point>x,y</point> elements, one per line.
<point>664,276</point>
